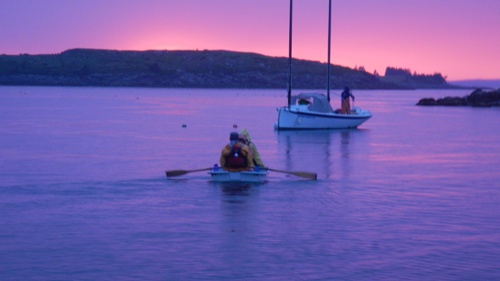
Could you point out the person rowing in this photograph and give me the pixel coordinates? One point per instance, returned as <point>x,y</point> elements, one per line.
<point>236,156</point>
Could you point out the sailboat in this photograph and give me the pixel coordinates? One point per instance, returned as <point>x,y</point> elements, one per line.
<point>312,111</point>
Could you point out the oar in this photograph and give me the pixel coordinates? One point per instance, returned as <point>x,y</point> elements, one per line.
<point>307,175</point>
<point>176,173</point>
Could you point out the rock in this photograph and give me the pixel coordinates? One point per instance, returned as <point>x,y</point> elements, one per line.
<point>427,101</point>
<point>452,101</point>
<point>478,98</point>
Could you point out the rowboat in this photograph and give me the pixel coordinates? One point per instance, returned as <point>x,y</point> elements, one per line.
<point>220,175</point>
<point>259,175</point>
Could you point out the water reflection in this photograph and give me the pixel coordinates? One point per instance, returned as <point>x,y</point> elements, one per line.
<point>237,192</point>
<point>321,151</point>
<point>345,138</point>
<point>237,221</point>
<point>232,189</point>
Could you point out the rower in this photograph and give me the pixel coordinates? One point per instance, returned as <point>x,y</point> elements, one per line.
<point>236,156</point>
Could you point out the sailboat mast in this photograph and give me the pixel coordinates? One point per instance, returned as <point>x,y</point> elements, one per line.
<point>329,43</point>
<point>290,56</point>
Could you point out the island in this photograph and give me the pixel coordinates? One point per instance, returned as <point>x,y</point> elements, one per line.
<point>197,69</point>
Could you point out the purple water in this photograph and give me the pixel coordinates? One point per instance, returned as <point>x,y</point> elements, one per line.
<point>413,194</point>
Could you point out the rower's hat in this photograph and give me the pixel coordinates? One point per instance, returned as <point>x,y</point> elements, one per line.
<point>234,136</point>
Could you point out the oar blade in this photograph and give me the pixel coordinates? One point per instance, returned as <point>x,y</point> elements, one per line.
<point>311,176</point>
<point>307,175</point>
<point>176,173</point>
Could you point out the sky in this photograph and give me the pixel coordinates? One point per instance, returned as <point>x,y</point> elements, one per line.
<point>457,38</point>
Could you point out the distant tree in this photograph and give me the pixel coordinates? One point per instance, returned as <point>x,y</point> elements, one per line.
<point>392,71</point>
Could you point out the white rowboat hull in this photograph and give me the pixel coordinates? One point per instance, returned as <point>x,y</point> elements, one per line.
<point>244,176</point>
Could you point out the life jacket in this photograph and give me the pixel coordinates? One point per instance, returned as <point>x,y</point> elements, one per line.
<point>236,159</point>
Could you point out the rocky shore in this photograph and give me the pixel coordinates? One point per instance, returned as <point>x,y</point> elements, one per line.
<point>478,98</point>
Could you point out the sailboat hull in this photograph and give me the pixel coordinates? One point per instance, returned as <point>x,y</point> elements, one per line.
<point>299,118</point>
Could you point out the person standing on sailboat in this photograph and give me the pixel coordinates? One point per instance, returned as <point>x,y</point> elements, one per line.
<point>345,103</point>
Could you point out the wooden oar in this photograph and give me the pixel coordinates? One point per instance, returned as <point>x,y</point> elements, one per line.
<point>176,173</point>
<point>307,175</point>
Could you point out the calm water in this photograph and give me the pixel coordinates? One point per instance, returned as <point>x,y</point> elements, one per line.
<point>413,194</point>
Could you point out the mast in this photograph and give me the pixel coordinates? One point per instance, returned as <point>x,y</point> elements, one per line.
<point>290,57</point>
<point>329,43</point>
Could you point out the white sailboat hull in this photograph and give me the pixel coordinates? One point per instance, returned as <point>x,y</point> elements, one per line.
<point>298,117</point>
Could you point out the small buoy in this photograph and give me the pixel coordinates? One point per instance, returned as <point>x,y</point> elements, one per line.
<point>184,125</point>
<point>235,126</point>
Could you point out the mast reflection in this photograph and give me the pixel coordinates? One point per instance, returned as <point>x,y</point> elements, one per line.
<point>321,151</point>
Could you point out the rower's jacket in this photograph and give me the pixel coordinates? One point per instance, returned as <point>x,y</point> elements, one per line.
<point>255,153</point>
<point>226,151</point>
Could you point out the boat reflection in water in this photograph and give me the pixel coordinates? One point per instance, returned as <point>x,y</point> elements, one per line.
<point>324,151</point>
<point>237,192</point>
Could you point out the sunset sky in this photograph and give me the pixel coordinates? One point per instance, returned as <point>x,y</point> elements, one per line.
<point>457,38</point>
